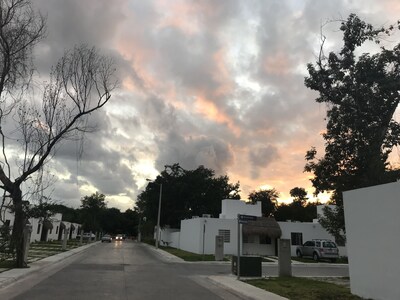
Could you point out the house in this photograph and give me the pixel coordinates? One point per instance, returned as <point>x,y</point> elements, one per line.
<point>45,230</point>
<point>258,237</point>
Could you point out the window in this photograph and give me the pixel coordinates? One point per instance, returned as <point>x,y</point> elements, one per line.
<point>57,230</point>
<point>38,228</point>
<point>226,233</point>
<point>51,231</point>
<point>7,223</point>
<point>297,238</point>
<point>266,240</point>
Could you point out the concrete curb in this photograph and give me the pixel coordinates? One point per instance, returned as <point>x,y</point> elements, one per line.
<point>167,257</point>
<point>11,276</point>
<point>241,288</point>
<point>226,282</point>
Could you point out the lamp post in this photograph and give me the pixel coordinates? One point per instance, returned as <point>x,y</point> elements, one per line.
<point>159,213</point>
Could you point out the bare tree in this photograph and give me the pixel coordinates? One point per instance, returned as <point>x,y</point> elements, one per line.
<point>80,83</point>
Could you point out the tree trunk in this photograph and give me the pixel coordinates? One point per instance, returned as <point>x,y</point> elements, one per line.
<point>18,228</point>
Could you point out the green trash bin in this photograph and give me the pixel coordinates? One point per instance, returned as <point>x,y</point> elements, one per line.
<point>250,266</point>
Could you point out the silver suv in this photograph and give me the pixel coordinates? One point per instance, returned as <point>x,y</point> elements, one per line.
<point>319,249</point>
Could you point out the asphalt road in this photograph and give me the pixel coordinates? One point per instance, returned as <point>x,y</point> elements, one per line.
<point>128,270</point>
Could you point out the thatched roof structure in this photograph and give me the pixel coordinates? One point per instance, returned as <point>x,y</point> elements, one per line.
<point>263,226</point>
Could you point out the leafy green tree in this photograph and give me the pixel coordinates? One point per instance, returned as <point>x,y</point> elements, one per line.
<point>130,222</point>
<point>111,221</point>
<point>299,196</point>
<point>295,212</point>
<point>361,94</point>
<point>185,193</point>
<point>268,199</point>
<point>69,214</point>
<point>92,208</point>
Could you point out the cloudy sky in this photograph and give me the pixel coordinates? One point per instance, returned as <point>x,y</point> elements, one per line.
<point>214,83</point>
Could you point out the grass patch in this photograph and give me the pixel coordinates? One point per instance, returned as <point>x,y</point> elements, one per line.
<point>189,256</point>
<point>303,288</point>
<point>340,260</point>
<point>7,264</point>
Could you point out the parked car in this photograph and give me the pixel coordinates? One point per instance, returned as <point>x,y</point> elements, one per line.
<point>319,249</point>
<point>86,236</point>
<point>106,238</point>
<point>119,237</point>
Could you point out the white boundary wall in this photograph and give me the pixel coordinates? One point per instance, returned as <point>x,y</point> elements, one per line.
<point>200,232</point>
<point>373,244</point>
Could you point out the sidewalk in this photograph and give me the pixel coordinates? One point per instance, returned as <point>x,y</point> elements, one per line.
<point>228,282</point>
<point>231,283</point>
<point>11,276</point>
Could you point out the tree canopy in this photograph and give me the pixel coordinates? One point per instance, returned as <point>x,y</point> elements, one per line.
<point>185,193</point>
<point>268,199</point>
<point>93,208</point>
<point>361,93</point>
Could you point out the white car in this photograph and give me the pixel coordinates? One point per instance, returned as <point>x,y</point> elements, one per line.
<point>106,238</point>
<point>319,249</point>
<point>88,235</point>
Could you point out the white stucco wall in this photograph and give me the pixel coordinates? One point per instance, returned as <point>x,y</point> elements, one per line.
<point>231,208</point>
<point>192,235</point>
<point>7,215</point>
<point>175,239</point>
<point>166,236</point>
<point>309,231</point>
<point>35,235</point>
<point>256,248</point>
<point>56,221</point>
<point>372,228</point>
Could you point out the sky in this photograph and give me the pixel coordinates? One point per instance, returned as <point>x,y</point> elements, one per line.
<point>213,83</point>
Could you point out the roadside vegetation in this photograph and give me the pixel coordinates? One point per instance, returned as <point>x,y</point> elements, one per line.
<point>340,260</point>
<point>303,288</point>
<point>40,250</point>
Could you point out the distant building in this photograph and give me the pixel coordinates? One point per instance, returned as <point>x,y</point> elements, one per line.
<point>258,237</point>
<point>44,230</point>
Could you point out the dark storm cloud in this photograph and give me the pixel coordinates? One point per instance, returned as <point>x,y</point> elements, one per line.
<point>217,83</point>
<point>192,152</point>
<point>261,158</point>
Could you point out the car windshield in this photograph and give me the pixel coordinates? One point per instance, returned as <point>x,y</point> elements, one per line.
<point>329,245</point>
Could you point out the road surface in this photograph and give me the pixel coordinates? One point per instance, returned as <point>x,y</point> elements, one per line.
<point>129,270</point>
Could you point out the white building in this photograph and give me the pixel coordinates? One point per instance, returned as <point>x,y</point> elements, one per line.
<point>197,235</point>
<point>372,228</point>
<point>47,230</point>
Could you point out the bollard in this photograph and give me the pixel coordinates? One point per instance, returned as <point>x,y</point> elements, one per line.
<point>284,258</point>
<point>27,241</point>
<point>64,244</point>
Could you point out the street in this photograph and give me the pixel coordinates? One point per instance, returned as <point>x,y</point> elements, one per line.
<point>128,270</point>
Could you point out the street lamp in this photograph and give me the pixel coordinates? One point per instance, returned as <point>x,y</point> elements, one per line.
<point>159,213</point>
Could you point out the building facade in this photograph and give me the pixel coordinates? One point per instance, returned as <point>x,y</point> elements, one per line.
<point>198,234</point>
